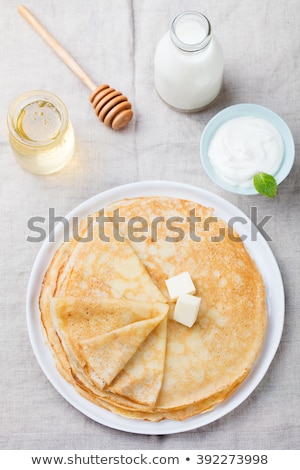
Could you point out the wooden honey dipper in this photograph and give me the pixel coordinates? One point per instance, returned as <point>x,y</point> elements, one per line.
<point>110,105</point>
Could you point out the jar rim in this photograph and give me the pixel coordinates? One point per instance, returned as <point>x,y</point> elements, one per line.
<point>190,46</point>
<point>29,97</point>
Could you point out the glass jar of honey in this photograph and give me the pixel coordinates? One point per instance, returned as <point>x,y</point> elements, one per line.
<point>40,132</point>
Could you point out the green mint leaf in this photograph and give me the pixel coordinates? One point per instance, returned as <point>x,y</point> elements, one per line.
<point>265,184</point>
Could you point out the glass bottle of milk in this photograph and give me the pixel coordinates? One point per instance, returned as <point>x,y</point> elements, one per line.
<point>189,63</point>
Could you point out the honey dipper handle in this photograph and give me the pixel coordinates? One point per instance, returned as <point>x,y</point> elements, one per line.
<point>54,44</point>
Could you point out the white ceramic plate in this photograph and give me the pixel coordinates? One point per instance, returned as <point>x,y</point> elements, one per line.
<point>258,249</point>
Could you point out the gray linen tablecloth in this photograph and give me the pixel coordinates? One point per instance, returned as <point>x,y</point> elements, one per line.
<point>115,41</point>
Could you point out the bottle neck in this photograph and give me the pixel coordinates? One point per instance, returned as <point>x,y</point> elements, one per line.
<point>190,31</point>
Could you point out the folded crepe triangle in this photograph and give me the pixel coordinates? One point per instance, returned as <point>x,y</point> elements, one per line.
<point>108,266</point>
<point>142,376</point>
<point>76,319</point>
<point>106,355</point>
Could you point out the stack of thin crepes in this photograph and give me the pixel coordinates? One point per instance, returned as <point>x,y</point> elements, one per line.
<point>105,310</point>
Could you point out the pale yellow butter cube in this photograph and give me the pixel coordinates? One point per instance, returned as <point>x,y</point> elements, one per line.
<point>186,309</point>
<point>180,284</point>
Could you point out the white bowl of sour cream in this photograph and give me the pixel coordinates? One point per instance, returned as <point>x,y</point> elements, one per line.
<point>243,140</point>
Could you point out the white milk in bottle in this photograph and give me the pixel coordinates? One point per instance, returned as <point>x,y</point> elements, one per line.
<point>189,63</point>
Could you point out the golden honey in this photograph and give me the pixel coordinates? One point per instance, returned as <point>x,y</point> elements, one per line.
<point>40,132</point>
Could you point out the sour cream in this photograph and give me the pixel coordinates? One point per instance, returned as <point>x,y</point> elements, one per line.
<point>244,146</point>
